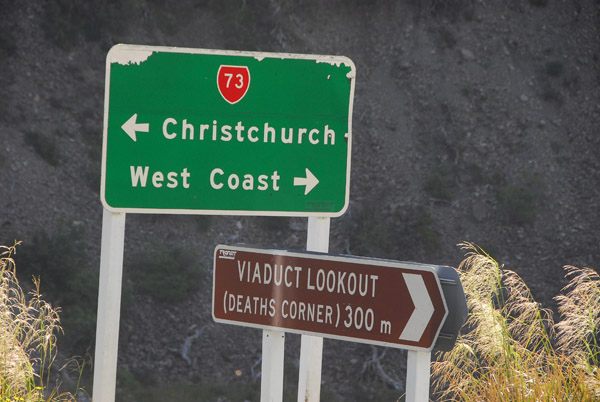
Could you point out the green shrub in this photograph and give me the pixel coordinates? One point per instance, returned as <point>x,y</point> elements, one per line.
<point>446,38</point>
<point>61,261</point>
<point>204,222</point>
<point>274,223</point>
<point>65,20</point>
<point>539,3</point>
<point>7,43</point>
<point>60,24</point>
<point>550,94</point>
<point>404,233</point>
<point>92,137</point>
<point>451,9</point>
<point>439,182</point>
<point>518,203</point>
<point>45,145</point>
<point>370,233</point>
<point>554,68</point>
<point>426,234</point>
<point>165,272</point>
<point>131,390</point>
<point>477,174</point>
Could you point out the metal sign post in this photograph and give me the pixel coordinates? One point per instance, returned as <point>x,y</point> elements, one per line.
<point>417,376</point>
<point>109,306</point>
<point>271,380</point>
<point>311,347</point>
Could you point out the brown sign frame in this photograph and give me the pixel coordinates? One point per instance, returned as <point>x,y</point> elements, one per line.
<point>356,299</point>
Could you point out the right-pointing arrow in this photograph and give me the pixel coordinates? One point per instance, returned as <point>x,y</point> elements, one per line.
<point>310,181</point>
<point>423,311</point>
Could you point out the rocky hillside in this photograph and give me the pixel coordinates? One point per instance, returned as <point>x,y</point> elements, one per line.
<point>473,121</point>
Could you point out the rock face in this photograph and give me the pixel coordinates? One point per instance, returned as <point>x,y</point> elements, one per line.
<point>467,54</point>
<point>448,146</point>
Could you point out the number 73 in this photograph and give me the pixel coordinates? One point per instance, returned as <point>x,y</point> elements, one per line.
<point>239,80</point>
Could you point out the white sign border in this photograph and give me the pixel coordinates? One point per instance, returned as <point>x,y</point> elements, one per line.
<point>135,54</point>
<point>337,258</point>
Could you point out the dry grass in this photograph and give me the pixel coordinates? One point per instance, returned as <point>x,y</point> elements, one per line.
<point>511,349</point>
<point>28,328</point>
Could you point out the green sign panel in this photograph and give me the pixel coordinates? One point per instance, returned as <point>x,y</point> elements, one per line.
<point>216,132</point>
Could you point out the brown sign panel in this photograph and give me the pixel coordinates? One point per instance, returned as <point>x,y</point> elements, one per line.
<point>374,301</point>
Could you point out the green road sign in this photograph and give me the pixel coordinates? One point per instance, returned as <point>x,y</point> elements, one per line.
<point>217,132</point>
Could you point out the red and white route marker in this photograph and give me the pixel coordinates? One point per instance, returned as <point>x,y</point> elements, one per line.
<point>233,82</point>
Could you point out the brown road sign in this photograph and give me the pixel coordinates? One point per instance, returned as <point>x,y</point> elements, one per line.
<point>373,301</point>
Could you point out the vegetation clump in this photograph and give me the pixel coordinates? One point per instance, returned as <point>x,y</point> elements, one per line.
<point>61,259</point>
<point>512,350</point>
<point>66,20</point>
<point>554,68</point>
<point>28,329</point>
<point>44,145</point>
<point>439,183</point>
<point>167,273</point>
<point>518,203</point>
<point>409,233</point>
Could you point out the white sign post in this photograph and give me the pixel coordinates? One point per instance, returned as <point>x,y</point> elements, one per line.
<point>271,381</point>
<point>417,376</point>
<point>109,306</point>
<point>311,347</point>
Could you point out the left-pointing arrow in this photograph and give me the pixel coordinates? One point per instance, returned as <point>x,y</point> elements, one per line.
<point>131,127</point>
<point>423,311</point>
